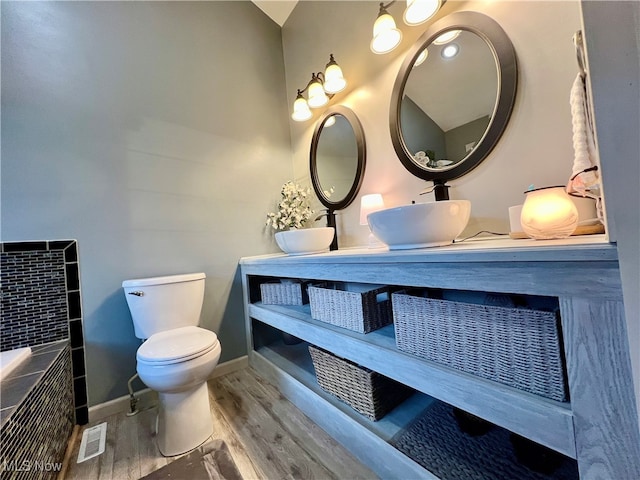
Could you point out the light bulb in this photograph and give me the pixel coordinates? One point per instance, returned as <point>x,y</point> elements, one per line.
<point>317,97</point>
<point>386,36</point>
<point>334,81</point>
<point>419,11</point>
<point>301,110</point>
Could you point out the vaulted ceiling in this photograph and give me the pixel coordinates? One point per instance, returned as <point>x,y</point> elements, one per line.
<point>278,10</point>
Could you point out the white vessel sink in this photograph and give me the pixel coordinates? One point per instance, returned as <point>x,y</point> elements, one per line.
<point>305,240</point>
<point>420,225</point>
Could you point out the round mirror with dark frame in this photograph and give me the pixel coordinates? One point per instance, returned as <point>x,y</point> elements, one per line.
<point>337,157</point>
<point>449,110</point>
<point>337,160</point>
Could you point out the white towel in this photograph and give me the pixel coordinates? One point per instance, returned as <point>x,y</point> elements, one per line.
<point>583,139</point>
<point>584,183</point>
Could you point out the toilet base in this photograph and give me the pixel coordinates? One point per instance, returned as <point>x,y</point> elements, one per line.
<point>184,420</point>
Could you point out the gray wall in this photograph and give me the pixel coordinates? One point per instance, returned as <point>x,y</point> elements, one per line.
<point>154,133</point>
<point>419,131</point>
<point>457,138</point>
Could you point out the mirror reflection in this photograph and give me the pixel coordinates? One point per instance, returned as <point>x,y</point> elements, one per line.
<point>449,110</point>
<point>449,99</point>
<point>336,157</point>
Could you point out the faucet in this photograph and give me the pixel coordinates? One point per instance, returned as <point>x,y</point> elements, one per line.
<point>439,189</point>
<point>331,222</point>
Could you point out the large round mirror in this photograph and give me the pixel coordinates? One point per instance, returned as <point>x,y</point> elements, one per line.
<point>453,96</point>
<point>337,157</point>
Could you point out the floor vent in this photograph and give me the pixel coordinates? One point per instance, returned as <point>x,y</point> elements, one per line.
<point>93,442</point>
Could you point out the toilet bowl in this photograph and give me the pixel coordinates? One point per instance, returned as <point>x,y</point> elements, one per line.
<point>176,358</point>
<point>176,364</point>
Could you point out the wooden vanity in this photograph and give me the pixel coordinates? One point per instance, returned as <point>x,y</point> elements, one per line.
<point>597,426</point>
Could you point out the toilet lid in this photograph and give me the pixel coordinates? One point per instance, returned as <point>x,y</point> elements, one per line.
<point>177,345</point>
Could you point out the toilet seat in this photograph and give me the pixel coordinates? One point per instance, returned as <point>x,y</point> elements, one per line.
<point>177,345</point>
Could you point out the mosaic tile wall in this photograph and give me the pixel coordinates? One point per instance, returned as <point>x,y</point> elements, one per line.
<point>34,439</point>
<point>34,303</point>
<point>41,303</point>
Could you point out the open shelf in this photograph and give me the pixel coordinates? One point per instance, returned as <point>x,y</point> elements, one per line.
<point>544,421</point>
<point>367,440</point>
<point>374,443</point>
<point>296,361</point>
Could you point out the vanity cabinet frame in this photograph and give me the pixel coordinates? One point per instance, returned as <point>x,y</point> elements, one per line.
<point>598,426</point>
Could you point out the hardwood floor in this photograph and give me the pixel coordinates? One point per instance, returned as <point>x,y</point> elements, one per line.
<point>268,437</point>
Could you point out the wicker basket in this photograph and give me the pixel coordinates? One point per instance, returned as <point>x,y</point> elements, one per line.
<point>515,346</point>
<point>434,441</point>
<point>362,309</point>
<point>288,293</point>
<point>367,392</point>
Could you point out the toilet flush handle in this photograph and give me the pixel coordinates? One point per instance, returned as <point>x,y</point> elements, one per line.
<point>137,293</point>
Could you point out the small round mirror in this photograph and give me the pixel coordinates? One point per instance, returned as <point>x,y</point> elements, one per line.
<point>453,96</point>
<point>337,158</point>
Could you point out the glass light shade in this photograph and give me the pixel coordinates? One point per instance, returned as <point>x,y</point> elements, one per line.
<point>421,58</point>
<point>334,81</point>
<point>369,204</point>
<point>329,121</point>
<point>419,11</point>
<point>317,97</point>
<point>301,110</point>
<point>386,36</point>
<point>446,37</point>
<point>548,213</point>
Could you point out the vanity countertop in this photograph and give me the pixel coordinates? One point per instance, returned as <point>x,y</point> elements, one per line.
<point>484,249</point>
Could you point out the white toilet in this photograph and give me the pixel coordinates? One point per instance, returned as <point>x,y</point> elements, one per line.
<point>176,358</point>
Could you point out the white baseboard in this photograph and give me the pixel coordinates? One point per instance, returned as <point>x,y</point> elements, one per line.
<point>148,398</point>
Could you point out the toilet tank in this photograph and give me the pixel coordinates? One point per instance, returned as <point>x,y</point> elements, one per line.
<point>164,303</point>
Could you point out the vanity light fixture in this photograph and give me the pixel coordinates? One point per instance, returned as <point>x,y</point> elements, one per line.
<point>301,111</point>
<point>419,11</point>
<point>334,80</point>
<point>317,97</point>
<point>319,90</point>
<point>386,36</point>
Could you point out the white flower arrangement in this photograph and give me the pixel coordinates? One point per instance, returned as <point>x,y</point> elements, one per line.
<point>294,210</point>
